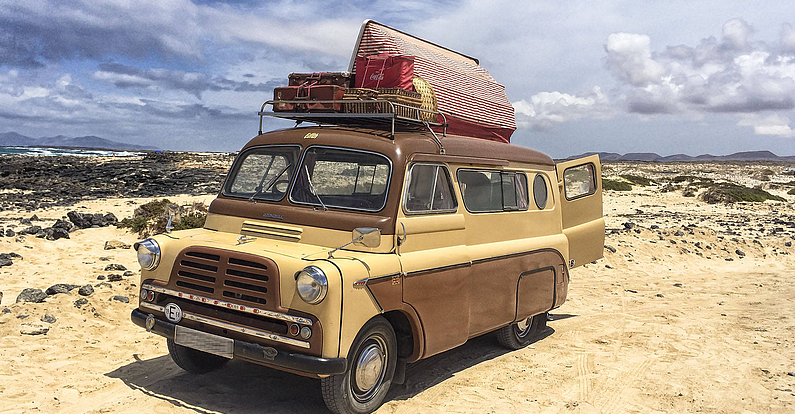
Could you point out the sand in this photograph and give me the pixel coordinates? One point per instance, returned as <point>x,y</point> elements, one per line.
<point>665,324</point>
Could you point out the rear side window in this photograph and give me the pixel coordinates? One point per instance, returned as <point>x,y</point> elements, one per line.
<point>579,181</point>
<point>429,190</point>
<point>488,191</point>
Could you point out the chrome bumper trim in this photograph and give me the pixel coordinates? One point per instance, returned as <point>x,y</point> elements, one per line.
<point>231,327</point>
<point>229,305</point>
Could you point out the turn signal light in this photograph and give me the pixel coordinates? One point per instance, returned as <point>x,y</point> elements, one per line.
<point>294,329</point>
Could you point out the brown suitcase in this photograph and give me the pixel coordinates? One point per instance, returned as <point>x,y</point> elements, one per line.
<point>308,94</point>
<point>321,78</point>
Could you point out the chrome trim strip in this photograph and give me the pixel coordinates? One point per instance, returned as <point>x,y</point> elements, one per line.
<point>229,305</point>
<point>247,331</point>
<point>231,327</point>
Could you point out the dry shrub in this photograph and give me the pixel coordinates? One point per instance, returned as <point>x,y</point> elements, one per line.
<point>152,217</point>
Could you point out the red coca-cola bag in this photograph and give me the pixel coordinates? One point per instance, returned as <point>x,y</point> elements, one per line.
<point>385,71</point>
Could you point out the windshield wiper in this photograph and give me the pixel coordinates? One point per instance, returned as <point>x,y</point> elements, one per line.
<point>261,189</point>
<point>312,188</point>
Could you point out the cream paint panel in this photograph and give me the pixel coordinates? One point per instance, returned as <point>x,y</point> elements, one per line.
<point>483,251</point>
<point>324,239</point>
<point>582,218</point>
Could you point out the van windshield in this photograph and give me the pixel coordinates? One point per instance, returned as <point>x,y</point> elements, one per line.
<point>342,178</point>
<point>263,173</point>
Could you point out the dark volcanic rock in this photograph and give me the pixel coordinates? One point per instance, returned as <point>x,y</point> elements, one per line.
<point>86,220</point>
<point>48,318</point>
<point>114,278</point>
<point>86,290</point>
<point>80,302</point>
<point>5,262</point>
<point>60,288</point>
<point>31,295</point>
<point>122,299</point>
<point>30,230</point>
<point>10,233</point>
<point>114,266</point>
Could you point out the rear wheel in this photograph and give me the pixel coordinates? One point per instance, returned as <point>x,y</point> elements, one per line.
<point>371,365</point>
<point>193,360</point>
<point>518,335</point>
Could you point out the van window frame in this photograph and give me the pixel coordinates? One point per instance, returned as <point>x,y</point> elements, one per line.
<point>409,170</point>
<point>593,180</point>
<point>235,170</point>
<point>301,165</point>
<point>504,209</point>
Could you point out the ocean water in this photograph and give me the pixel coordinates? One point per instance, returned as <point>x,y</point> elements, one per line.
<point>51,152</point>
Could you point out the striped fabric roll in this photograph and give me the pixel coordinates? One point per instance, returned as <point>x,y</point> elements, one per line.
<point>463,89</point>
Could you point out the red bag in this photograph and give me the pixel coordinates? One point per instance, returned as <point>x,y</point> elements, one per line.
<point>385,71</point>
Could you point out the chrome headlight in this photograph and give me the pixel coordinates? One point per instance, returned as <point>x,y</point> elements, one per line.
<point>148,254</point>
<point>311,285</point>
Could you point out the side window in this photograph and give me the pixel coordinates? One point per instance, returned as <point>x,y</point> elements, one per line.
<point>485,191</point>
<point>579,181</point>
<point>429,189</point>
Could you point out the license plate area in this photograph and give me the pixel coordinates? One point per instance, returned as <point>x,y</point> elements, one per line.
<point>203,341</point>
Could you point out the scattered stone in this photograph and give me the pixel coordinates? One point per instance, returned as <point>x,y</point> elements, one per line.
<point>608,267</point>
<point>10,233</point>
<point>104,258</point>
<point>6,310</point>
<point>630,291</point>
<point>791,374</point>
<point>610,248</point>
<point>788,244</point>
<point>101,277</point>
<point>48,318</point>
<point>31,295</point>
<point>114,266</point>
<point>654,227</point>
<point>679,233</point>
<point>128,273</point>
<point>122,299</point>
<point>1,297</point>
<point>105,284</point>
<point>80,302</point>
<point>63,224</point>
<point>86,220</point>
<point>677,285</point>
<point>22,316</point>
<point>86,290</point>
<point>5,262</point>
<point>729,259</point>
<point>740,253</point>
<point>116,244</point>
<point>60,288</point>
<point>114,278</point>
<point>30,230</point>
<point>30,329</point>
<point>629,225</point>
<point>34,218</point>
<point>660,295</point>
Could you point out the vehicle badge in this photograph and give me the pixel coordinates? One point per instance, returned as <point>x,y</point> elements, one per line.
<point>173,312</point>
<point>310,135</point>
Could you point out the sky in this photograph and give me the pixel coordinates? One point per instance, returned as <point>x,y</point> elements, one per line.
<point>668,77</point>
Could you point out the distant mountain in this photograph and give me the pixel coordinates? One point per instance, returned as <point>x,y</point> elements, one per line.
<point>13,139</point>
<point>652,157</point>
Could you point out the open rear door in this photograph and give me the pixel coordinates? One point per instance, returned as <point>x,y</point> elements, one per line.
<point>580,183</point>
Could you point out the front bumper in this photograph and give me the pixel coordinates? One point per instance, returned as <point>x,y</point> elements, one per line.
<point>255,352</point>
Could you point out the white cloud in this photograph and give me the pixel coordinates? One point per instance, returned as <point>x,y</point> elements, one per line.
<point>545,109</point>
<point>769,125</point>
<point>736,32</point>
<point>629,57</point>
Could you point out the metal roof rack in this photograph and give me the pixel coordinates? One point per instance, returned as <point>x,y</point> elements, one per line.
<point>388,120</point>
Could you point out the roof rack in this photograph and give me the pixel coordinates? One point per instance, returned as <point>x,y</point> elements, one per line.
<point>388,120</point>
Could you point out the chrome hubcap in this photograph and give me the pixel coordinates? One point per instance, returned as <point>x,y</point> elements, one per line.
<point>370,369</point>
<point>523,327</point>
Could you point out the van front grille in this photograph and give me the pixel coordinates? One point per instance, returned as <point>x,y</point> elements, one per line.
<point>224,274</point>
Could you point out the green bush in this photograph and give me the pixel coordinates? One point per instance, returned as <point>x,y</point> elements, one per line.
<point>638,180</point>
<point>791,191</point>
<point>731,193</point>
<point>152,217</point>
<point>614,185</point>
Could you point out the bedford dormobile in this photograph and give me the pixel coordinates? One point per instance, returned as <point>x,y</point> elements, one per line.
<point>345,253</point>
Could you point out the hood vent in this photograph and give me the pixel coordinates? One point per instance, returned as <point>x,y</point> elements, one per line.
<point>271,231</point>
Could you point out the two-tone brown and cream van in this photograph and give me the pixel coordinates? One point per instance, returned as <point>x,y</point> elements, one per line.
<point>346,253</point>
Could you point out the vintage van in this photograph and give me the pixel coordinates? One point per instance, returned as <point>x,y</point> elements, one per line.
<point>345,253</point>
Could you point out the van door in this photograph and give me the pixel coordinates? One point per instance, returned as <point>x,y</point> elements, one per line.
<point>580,184</point>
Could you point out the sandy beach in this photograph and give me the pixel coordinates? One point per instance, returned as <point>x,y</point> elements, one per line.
<point>692,309</point>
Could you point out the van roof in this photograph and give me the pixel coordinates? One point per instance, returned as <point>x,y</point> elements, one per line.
<point>404,143</point>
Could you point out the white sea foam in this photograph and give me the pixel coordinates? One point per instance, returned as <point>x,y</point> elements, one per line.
<point>50,152</point>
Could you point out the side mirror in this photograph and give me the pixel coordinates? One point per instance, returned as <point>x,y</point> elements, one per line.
<point>367,236</point>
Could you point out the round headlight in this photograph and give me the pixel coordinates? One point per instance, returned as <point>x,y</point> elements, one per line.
<point>311,285</point>
<point>148,254</point>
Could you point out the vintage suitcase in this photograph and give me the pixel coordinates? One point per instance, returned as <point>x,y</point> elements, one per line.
<point>308,94</point>
<point>384,71</point>
<point>321,78</point>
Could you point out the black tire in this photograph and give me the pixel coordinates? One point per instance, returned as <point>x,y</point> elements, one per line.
<point>519,335</point>
<point>342,393</point>
<point>193,360</point>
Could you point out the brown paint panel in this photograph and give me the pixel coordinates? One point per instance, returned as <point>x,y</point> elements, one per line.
<point>388,295</point>
<point>535,292</point>
<point>562,287</point>
<point>441,299</point>
<point>494,288</point>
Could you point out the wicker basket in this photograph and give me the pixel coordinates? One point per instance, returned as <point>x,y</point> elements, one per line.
<point>359,104</point>
<point>428,98</point>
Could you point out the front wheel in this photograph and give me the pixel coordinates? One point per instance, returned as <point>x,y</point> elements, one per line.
<point>518,335</point>
<point>193,360</point>
<point>371,365</point>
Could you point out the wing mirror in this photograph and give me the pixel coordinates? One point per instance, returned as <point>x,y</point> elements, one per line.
<point>367,236</point>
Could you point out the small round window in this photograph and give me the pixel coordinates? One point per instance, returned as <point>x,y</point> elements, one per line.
<point>540,191</point>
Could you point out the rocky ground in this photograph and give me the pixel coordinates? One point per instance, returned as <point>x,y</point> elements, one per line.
<point>691,310</point>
